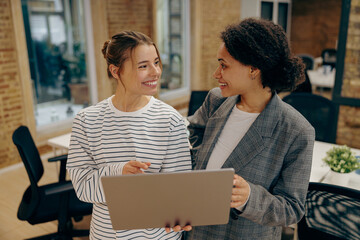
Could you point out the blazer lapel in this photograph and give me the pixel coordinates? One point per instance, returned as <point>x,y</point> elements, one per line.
<point>249,146</point>
<point>253,141</point>
<point>214,127</point>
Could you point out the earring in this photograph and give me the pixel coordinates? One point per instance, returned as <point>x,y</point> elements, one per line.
<point>115,74</point>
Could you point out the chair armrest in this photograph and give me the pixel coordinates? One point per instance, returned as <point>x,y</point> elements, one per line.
<point>58,158</point>
<point>62,159</point>
<point>58,188</point>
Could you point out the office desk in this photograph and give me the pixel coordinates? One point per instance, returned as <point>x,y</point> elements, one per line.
<point>319,79</point>
<point>319,171</point>
<point>60,143</point>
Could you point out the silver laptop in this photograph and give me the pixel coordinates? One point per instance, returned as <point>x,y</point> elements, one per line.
<point>156,200</point>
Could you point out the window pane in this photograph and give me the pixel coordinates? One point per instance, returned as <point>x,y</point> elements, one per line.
<point>59,78</point>
<point>267,10</point>
<point>170,26</point>
<point>57,29</point>
<point>39,29</point>
<point>282,15</point>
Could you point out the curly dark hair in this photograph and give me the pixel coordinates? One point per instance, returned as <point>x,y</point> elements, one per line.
<point>264,45</point>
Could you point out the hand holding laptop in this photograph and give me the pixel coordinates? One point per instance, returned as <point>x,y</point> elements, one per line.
<point>240,192</point>
<point>178,228</point>
<point>134,167</point>
<point>239,196</point>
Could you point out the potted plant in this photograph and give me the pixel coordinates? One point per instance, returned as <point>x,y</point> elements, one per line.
<point>341,162</point>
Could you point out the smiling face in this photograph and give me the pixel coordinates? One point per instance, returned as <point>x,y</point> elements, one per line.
<point>234,77</point>
<point>141,72</point>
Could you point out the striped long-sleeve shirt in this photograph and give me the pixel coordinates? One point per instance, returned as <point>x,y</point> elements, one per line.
<point>104,139</point>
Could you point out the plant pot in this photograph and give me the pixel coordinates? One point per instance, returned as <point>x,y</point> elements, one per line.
<point>339,178</point>
<point>79,93</point>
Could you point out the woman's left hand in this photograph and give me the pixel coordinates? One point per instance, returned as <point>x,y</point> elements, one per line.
<point>240,192</point>
<point>178,228</point>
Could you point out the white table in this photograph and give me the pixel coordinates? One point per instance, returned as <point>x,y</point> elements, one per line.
<point>319,171</point>
<point>61,142</point>
<point>319,79</point>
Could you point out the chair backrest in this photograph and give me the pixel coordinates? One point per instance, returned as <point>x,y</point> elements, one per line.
<point>329,57</point>
<point>305,86</point>
<point>196,100</point>
<point>331,212</point>
<point>29,153</point>
<point>308,61</point>
<point>319,111</point>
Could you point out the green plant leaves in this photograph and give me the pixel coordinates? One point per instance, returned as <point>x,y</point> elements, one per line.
<point>341,159</point>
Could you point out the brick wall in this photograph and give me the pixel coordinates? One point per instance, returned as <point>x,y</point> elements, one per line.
<point>129,15</point>
<point>349,117</point>
<point>314,25</point>
<point>11,105</point>
<point>212,16</point>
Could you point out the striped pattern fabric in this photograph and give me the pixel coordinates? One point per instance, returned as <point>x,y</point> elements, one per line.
<point>104,139</point>
<point>333,213</point>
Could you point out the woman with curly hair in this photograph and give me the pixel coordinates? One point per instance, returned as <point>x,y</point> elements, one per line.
<point>243,124</point>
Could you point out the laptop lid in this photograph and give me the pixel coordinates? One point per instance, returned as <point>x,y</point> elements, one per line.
<point>156,200</point>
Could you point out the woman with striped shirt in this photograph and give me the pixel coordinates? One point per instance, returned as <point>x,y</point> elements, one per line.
<point>130,132</point>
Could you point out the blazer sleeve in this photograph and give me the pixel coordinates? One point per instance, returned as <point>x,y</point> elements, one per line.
<point>196,127</point>
<point>284,204</point>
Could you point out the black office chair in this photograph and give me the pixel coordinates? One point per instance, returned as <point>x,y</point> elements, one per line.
<point>304,86</point>
<point>308,60</point>
<point>319,111</point>
<point>331,212</point>
<point>329,57</point>
<point>55,201</point>
<point>196,100</point>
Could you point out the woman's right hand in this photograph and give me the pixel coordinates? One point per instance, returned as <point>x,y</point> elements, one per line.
<point>134,167</point>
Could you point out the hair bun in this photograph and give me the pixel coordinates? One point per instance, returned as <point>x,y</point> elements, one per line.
<point>294,69</point>
<point>104,49</point>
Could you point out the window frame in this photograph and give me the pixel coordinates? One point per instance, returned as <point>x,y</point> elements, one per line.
<point>52,129</point>
<point>276,12</point>
<point>185,89</point>
<point>246,4</point>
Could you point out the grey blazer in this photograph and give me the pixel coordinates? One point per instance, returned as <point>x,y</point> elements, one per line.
<point>274,157</point>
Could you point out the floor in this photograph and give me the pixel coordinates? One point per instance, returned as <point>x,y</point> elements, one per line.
<point>12,185</point>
